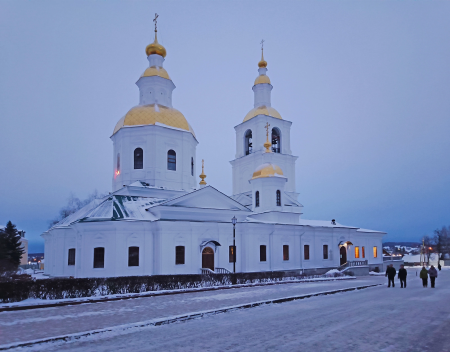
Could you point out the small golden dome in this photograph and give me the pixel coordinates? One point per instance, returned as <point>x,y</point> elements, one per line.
<point>262,63</point>
<point>152,114</point>
<point>262,110</point>
<point>262,79</point>
<point>156,71</point>
<point>267,170</point>
<point>155,48</point>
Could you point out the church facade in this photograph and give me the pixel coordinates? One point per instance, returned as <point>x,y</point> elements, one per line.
<point>157,220</point>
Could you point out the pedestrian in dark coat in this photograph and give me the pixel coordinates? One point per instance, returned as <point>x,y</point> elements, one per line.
<point>402,273</point>
<point>424,276</point>
<point>390,273</point>
<point>433,275</point>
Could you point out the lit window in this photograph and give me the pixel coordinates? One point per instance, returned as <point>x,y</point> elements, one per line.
<point>171,160</point>
<point>285,252</point>
<point>133,256</point>
<point>138,158</point>
<point>232,254</point>
<point>306,251</point>
<point>71,260</point>
<point>325,251</point>
<point>99,257</point>
<point>262,253</point>
<point>356,252</point>
<point>278,199</point>
<point>363,252</point>
<point>179,255</point>
<point>375,252</point>
<point>257,199</point>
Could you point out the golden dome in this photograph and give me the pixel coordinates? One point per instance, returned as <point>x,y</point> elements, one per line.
<point>155,48</point>
<point>262,110</point>
<point>156,71</point>
<point>262,79</point>
<point>267,170</point>
<point>149,115</point>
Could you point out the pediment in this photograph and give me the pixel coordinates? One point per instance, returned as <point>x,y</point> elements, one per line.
<point>205,198</point>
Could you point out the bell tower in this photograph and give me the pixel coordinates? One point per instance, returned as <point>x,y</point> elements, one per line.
<point>263,124</point>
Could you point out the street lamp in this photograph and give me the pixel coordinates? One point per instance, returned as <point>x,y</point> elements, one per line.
<point>234,221</point>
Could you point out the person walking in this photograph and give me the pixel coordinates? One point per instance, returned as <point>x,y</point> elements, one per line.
<point>433,275</point>
<point>424,276</point>
<point>402,273</point>
<point>390,273</point>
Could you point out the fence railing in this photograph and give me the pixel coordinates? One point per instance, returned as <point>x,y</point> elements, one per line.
<point>207,271</point>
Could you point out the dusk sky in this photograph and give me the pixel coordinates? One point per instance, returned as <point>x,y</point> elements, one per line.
<point>365,83</point>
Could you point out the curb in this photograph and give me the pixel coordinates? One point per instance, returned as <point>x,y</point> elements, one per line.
<point>175,319</point>
<point>155,293</point>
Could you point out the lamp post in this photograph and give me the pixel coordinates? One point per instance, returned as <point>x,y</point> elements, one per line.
<point>233,221</point>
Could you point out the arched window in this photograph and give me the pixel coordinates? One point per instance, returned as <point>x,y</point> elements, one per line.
<point>192,166</point>
<point>138,158</point>
<point>257,199</point>
<point>276,140</point>
<point>118,164</point>
<point>278,199</point>
<point>171,160</point>
<point>248,142</point>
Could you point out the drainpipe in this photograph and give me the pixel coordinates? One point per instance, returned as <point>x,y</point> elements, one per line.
<point>301,254</point>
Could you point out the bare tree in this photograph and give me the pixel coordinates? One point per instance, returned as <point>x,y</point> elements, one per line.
<point>73,205</point>
<point>441,241</point>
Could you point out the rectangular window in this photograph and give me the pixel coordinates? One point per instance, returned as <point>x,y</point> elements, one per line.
<point>306,251</point>
<point>179,255</point>
<point>285,252</point>
<point>356,252</point>
<point>99,257</point>
<point>232,254</point>
<point>325,251</point>
<point>71,260</point>
<point>262,253</point>
<point>375,252</point>
<point>133,256</point>
<point>363,252</point>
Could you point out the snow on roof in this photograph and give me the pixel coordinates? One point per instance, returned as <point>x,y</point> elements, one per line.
<point>113,207</point>
<point>322,223</point>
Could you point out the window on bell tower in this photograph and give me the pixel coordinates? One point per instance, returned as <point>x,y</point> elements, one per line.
<point>257,199</point>
<point>192,166</point>
<point>248,142</point>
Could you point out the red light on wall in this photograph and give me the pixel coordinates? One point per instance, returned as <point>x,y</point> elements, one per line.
<point>117,173</point>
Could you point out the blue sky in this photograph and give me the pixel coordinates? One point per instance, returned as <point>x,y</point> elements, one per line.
<point>365,83</point>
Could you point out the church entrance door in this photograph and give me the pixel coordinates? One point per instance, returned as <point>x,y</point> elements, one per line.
<point>208,258</point>
<point>343,253</point>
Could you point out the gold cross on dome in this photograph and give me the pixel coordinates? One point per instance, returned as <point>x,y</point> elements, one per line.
<point>267,129</point>
<point>156,21</point>
<point>262,44</point>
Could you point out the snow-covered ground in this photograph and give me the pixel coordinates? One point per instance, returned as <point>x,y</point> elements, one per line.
<point>374,319</point>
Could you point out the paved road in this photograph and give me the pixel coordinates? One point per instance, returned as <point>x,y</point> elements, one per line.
<point>19,326</point>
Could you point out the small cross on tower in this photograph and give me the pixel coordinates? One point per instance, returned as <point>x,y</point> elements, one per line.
<point>267,130</point>
<point>262,44</point>
<point>156,21</point>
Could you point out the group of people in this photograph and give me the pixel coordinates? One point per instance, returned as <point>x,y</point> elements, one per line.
<point>402,273</point>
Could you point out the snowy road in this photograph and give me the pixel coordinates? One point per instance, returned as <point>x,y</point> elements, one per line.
<point>19,326</point>
<point>374,319</point>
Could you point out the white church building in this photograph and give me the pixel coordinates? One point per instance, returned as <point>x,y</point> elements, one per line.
<point>157,220</point>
